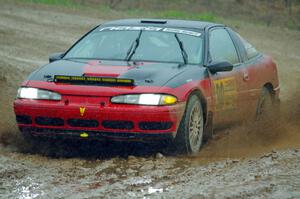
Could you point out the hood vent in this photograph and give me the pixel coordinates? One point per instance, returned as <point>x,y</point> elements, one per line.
<point>153,21</point>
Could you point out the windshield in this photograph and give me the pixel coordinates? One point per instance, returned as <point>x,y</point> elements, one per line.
<point>153,45</point>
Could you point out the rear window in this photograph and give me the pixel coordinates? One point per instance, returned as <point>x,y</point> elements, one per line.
<point>250,50</point>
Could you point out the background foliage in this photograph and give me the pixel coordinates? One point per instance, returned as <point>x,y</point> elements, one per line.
<point>284,13</point>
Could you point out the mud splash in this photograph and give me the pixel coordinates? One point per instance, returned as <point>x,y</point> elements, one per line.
<point>248,140</point>
<point>271,175</point>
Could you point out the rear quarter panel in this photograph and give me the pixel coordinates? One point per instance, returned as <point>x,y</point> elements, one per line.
<point>262,71</point>
<point>268,72</point>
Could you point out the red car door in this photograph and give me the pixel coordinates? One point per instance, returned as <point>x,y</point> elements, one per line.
<point>230,88</point>
<point>257,71</point>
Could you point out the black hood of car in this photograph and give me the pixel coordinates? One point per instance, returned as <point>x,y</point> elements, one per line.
<point>143,73</point>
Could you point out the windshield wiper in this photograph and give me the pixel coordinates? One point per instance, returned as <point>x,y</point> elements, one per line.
<point>183,52</point>
<point>133,47</point>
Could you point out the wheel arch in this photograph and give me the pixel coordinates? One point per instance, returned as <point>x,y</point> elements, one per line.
<point>270,88</point>
<point>202,99</point>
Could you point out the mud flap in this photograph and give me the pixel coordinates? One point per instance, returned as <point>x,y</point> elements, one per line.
<point>208,129</point>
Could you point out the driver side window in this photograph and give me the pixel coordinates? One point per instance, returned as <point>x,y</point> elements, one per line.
<point>221,47</point>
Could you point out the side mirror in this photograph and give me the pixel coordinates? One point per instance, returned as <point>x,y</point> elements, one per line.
<point>55,56</point>
<point>220,67</point>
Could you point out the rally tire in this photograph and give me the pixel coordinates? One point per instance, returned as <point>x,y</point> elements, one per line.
<point>189,136</point>
<point>267,109</point>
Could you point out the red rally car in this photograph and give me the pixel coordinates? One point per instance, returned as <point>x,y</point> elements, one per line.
<point>148,80</point>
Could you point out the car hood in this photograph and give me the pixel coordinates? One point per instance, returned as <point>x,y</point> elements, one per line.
<point>143,73</point>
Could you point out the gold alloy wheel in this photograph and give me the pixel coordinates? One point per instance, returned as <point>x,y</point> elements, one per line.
<point>196,128</point>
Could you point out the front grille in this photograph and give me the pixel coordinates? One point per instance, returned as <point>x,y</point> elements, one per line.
<point>83,123</point>
<point>46,121</point>
<point>110,124</point>
<point>155,125</point>
<point>23,119</point>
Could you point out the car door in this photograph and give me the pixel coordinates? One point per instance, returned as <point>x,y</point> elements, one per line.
<point>229,87</point>
<point>252,69</point>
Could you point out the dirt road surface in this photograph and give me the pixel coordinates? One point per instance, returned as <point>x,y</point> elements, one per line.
<point>241,162</point>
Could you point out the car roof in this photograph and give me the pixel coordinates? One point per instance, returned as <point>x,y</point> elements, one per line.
<point>163,23</point>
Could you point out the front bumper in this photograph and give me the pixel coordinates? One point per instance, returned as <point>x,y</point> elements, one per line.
<point>95,135</point>
<point>97,118</point>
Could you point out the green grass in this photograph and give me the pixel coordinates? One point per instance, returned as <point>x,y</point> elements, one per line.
<point>67,3</point>
<point>176,14</point>
<point>173,14</point>
<point>104,8</point>
<point>104,11</point>
<point>292,25</point>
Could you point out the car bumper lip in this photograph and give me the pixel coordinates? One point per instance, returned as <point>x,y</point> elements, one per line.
<point>96,135</point>
<point>98,114</point>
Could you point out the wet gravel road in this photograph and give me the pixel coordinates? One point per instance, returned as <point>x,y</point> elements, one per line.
<point>273,175</point>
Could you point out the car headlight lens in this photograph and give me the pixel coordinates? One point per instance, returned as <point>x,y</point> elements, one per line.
<point>35,93</point>
<point>145,99</point>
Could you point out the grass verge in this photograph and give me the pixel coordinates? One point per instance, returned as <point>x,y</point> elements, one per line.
<point>105,9</point>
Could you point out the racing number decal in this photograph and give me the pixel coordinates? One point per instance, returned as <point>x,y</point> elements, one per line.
<point>225,93</point>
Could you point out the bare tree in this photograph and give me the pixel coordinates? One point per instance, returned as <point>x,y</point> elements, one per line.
<point>289,5</point>
<point>114,3</point>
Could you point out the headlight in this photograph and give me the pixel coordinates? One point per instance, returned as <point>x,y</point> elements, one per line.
<point>35,93</point>
<point>145,99</point>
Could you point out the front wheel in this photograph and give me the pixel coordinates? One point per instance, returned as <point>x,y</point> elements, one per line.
<point>190,132</point>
